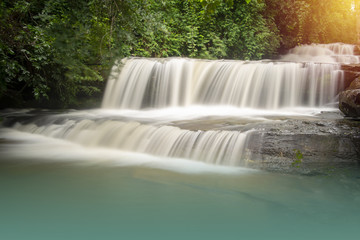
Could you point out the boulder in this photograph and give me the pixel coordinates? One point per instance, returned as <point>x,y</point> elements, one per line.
<point>349,77</point>
<point>354,84</point>
<point>349,102</point>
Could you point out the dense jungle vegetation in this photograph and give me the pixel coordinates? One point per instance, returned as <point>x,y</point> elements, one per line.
<point>57,53</point>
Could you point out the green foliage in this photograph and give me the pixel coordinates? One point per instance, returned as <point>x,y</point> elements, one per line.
<point>298,158</point>
<point>290,17</point>
<point>24,51</point>
<point>330,21</point>
<point>56,53</point>
<point>46,51</point>
<point>313,21</point>
<point>204,29</point>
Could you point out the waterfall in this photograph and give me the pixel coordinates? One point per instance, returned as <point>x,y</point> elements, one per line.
<point>173,82</point>
<point>139,88</point>
<point>325,53</point>
<point>215,147</point>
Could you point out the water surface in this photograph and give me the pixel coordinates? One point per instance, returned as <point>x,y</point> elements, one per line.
<point>79,194</point>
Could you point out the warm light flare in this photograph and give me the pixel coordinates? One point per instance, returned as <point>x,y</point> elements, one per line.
<point>333,21</point>
<point>355,5</point>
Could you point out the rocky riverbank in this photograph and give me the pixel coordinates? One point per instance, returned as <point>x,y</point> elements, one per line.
<point>306,145</point>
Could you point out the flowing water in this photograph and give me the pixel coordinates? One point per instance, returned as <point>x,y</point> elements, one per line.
<point>325,53</point>
<point>148,83</point>
<point>186,149</point>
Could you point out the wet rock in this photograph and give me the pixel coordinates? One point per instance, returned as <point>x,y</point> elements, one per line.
<point>354,84</point>
<point>351,67</point>
<point>321,142</point>
<point>349,102</point>
<point>356,50</point>
<point>349,77</point>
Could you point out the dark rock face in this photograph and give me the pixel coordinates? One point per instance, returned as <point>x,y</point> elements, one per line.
<point>351,67</point>
<point>349,102</point>
<point>354,84</point>
<point>349,77</point>
<point>323,143</point>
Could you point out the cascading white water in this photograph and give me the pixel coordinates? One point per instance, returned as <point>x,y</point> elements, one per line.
<point>324,53</point>
<point>141,83</point>
<point>215,147</point>
<point>339,48</point>
<point>154,83</point>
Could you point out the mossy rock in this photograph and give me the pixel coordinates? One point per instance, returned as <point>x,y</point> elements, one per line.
<point>349,102</point>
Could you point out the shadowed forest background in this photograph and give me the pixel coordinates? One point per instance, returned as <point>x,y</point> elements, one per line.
<point>58,53</point>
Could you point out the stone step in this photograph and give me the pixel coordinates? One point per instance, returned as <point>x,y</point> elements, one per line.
<point>357,50</point>
<point>351,67</point>
<point>351,72</point>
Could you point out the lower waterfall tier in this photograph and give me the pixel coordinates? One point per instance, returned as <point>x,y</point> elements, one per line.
<point>211,135</point>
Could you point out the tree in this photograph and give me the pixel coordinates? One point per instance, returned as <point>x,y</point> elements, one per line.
<point>313,21</point>
<point>330,21</point>
<point>290,19</point>
<point>56,53</point>
<point>47,52</point>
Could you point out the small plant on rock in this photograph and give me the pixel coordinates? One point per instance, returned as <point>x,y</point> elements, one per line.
<point>298,158</point>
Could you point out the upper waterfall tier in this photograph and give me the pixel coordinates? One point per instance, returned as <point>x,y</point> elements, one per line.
<point>137,83</point>
<point>325,53</point>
